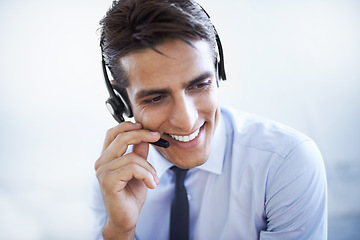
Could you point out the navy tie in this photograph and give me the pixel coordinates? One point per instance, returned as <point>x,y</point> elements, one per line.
<point>179,218</point>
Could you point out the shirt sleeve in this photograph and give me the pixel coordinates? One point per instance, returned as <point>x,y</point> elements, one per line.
<point>99,211</point>
<point>296,196</point>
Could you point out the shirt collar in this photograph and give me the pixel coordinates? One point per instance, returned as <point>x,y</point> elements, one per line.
<point>214,163</point>
<point>160,163</point>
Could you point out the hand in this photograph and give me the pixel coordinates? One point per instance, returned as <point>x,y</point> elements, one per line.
<point>124,179</point>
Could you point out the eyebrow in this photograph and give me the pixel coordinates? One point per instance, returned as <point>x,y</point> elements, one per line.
<point>149,92</point>
<point>198,79</point>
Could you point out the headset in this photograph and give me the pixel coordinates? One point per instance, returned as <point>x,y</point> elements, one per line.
<point>118,103</point>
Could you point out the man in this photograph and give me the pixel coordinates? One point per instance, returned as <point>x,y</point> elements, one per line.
<point>246,177</point>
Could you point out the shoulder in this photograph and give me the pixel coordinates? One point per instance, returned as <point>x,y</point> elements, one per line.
<point>287,167</point>
<point>258,133</point>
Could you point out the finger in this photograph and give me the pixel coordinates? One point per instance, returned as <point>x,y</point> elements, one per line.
<point>118,147</point>
<point>115,181</point>
<point>141,149</point>
<point>125,160</point>
<point>123,127</point>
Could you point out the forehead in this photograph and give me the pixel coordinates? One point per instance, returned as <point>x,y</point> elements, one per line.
<point>172,62</point>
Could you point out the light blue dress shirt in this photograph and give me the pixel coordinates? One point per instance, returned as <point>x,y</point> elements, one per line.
<point>262,180</point>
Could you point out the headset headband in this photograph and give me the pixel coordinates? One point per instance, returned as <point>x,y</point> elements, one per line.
<point>118,103</point>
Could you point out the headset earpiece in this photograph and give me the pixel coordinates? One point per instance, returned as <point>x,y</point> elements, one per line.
<point>113,107</point>
<point>118,103</point>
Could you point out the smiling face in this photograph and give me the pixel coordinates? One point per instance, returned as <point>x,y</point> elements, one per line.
<point>175,93</point>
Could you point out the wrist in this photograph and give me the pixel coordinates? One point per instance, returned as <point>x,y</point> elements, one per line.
<point>111,232</point>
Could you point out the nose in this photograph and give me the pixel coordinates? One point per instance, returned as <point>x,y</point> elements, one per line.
<point>184,113</point>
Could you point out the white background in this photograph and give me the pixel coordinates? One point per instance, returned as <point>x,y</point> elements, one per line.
<point>297,62</point>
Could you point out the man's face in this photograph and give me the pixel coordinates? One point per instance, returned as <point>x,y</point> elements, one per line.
<point>175,93</point>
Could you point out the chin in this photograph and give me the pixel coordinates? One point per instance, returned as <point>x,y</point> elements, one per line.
<point>186,160</point>
<point>189,164</point>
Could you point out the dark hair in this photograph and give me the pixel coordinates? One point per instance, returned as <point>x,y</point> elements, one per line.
<point>133,25</point>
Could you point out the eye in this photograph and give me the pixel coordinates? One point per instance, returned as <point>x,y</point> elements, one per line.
<point>155,99</point>
<point>201,85</point>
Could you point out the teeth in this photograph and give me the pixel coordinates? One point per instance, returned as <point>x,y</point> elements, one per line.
<point>186,138</point>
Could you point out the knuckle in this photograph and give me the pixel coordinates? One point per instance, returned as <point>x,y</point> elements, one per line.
<point>97,164</point>
<point>104,178</point>
<point>118,136</point>
<point>126,124</point>
<point>120,140</point>
<point>131,155</point>
<point>98,175</point>
<point>110,131</point>
<point>133,166</point>
<point>118,128</point>
<point>99,172</point>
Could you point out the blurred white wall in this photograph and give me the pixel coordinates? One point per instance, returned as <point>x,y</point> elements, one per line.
<point>293,61</point>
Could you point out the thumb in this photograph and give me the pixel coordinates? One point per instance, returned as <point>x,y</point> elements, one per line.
<point>141,149</point>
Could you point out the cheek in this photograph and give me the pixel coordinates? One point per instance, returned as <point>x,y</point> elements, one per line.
<point>150,119</point>
<point>210,103</point>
